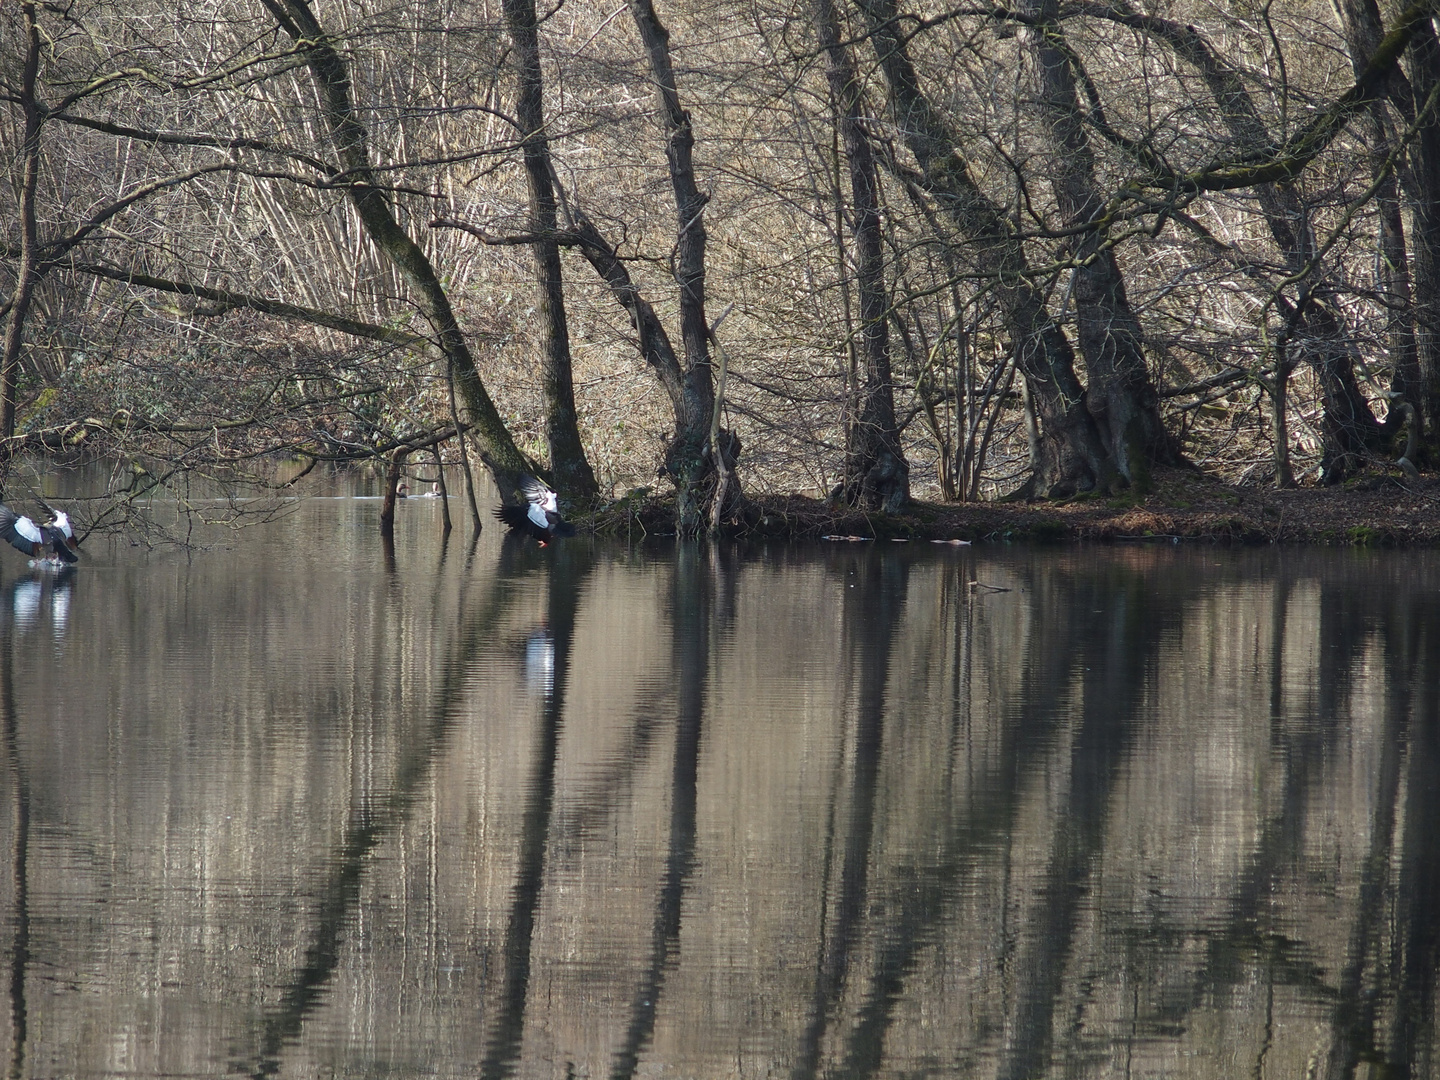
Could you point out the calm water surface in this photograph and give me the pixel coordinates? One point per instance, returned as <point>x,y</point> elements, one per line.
<point>282,808</point>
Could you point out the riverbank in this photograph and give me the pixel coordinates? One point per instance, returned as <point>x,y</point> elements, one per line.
<point>1371,511</point>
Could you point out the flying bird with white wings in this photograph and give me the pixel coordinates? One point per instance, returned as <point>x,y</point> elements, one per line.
<point>57,535</point>
<point>539,517</point>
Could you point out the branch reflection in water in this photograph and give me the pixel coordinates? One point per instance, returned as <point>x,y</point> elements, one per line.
<point>596,810</point>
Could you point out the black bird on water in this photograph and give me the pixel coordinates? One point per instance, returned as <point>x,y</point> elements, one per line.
<point>24,535</point>
<point>539,517</point>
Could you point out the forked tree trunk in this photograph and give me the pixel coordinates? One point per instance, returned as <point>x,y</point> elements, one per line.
<point>877,476</point>
<point>570,470</point>
<point>394,471</point>
<point>659,353</point>
<point>689,459</point>
<point>1121,395</point>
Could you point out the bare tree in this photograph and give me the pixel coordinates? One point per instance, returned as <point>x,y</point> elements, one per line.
<point>701,467</point>
<point>1414,93</point>
<point>1121,394</point>
<point>27,271</point>
<point>876,474</point>
<point>348,138</point>
<point>1072,456</point>
<point>1349,426</point>
<point>1180,193</point>
<point>572,473</point>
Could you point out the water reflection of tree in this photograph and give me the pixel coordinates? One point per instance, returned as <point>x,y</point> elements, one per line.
<point>372,821</point>
<point>1413,953</point>
<point>1355,1015</point>
<point>1106,639</point>
<point>569,566</point>
<point>1083,622</point>
<point>1091,659</point>
<point>693,605</point>
<point>987,914</point>
<point>19,806</point>
<point>1392,937</point>
<point>1392,940</point>
<point>872,606</point>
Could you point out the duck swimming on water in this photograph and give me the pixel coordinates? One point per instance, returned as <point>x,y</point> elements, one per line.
<point>540,517</point>
<point>24,535</point>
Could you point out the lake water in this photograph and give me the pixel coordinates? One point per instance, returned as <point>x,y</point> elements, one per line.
<point>281,807</point>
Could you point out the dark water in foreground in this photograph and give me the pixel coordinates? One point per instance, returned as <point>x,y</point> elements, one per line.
<point>707,812</point>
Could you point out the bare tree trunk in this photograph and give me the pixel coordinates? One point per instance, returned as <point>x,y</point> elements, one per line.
<point>1394,271</point>
<point>700,465</point>
<point>476,523</point>
<point>655,346</point>
<point>1122,396</point>
<point>1279,419</point>
<point>570,470</point>
<point>443,490</point>
<point>1421,182</point>
<point>26,274</point>
<point>1349,427</point>
<point>1072,455</point>
<point>876,474</point>
<point>393,472</point>
<point>348,137</point>
<point>1364,28</point>
<point>687,458</point>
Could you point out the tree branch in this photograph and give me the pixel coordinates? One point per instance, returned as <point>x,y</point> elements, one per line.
<point>227,300</point>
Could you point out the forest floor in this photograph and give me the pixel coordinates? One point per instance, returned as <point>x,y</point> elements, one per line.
<point>1370,511</point>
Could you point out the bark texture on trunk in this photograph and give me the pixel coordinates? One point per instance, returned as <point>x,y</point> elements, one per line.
<point>569,467</point>
<point>877,476</point>
<point>27,272</point>
<point>1121,395</point>
<point>1421,182</point>
<point>690,456</point>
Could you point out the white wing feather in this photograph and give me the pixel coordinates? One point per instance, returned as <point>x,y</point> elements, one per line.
<point>539,495</point>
